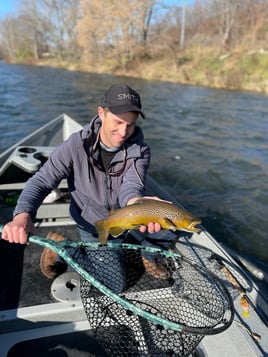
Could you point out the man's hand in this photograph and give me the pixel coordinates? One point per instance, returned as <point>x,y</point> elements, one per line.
<point>152,227</point>
<point>17,230</point>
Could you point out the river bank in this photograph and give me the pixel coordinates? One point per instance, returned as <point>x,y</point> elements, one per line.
<point>237,70</point>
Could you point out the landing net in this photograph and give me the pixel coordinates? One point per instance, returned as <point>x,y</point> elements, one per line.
<point>135,311</point>
<point>174,311</point>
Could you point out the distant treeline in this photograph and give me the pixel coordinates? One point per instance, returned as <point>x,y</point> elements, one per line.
<point>119,30</point>
<point>120,33</point>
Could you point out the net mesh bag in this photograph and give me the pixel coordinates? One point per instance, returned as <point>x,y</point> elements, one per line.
<point>165,306</point>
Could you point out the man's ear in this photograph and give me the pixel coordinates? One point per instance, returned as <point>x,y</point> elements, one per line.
<point>101,113</point>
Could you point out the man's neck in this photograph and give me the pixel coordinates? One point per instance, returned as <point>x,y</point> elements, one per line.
<point>107,148</point>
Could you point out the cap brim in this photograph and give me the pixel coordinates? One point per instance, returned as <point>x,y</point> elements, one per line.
<point>126,108</point>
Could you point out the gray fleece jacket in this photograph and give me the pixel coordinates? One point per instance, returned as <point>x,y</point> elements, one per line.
<point>93,191</point>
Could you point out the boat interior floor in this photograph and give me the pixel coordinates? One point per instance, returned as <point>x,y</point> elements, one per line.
<point>22,282</point>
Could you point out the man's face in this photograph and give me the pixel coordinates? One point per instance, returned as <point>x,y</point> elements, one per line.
<point>116,128</point>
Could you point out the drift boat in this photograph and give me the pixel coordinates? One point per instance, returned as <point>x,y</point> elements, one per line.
<point>39,317</point>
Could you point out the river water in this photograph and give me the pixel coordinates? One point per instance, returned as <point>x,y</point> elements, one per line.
<point>209,147</point>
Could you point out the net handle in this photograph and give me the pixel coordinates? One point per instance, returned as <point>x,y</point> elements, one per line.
<point>59,248</point>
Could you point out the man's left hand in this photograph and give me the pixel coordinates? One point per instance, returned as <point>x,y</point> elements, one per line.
<point>152,227</point>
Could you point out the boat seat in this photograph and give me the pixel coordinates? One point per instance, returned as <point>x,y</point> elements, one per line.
<point>28,158</point>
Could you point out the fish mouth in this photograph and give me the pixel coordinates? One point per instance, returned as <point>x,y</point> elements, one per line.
<point>195,227</point>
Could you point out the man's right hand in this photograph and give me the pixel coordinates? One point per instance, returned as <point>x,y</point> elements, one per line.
<point>17,230</point>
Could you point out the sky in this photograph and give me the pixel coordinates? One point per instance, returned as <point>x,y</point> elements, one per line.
<point>7,7</point>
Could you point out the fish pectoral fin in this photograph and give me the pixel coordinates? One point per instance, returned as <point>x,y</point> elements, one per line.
<point>135,226</point>
<point>116,231</point>
<point>170,224</point>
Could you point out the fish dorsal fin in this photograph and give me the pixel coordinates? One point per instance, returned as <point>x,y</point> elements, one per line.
<point>112,211</point>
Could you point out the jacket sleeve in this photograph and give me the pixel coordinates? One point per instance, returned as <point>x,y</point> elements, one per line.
<point>57,167</point>
<point>133,184</point>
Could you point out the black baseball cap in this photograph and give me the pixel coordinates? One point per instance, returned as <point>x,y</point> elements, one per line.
<point>120,98</point>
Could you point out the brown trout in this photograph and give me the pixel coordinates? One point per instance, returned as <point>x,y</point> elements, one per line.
<point>143,212</point>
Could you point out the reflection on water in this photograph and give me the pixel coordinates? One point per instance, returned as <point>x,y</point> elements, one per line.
<point>209,147</point>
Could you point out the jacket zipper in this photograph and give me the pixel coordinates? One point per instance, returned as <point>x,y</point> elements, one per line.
<point>107,205</point>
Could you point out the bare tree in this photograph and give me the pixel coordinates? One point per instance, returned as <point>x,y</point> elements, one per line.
<point>8,33</point>
<point>225,11</point>
<point>113,28</point>
<point>19,38</point>
<point>54,22</point>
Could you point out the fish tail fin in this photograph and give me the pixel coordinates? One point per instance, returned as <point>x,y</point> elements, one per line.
<point>102,231</point>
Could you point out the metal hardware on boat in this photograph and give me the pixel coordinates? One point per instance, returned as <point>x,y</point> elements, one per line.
<point>30,158</point>
<point>66,287</point>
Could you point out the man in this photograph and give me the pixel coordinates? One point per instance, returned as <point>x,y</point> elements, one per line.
<point>105,165</point>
